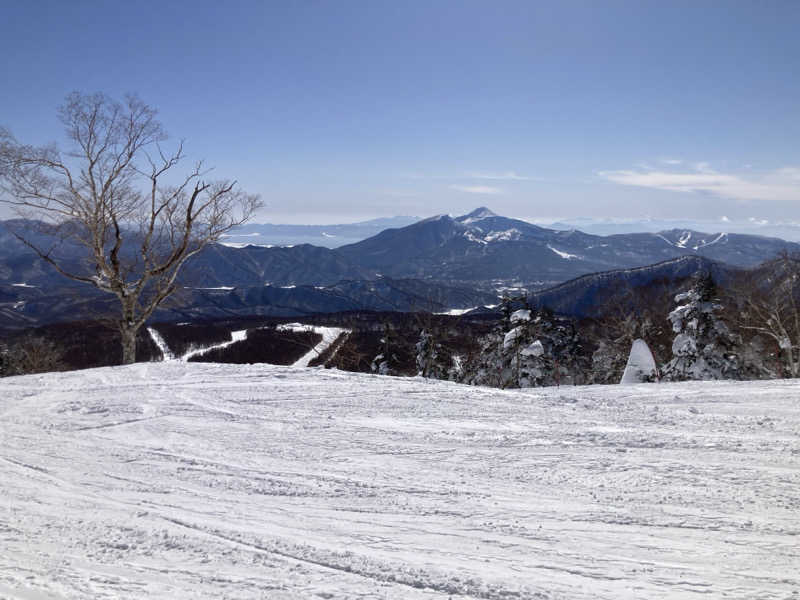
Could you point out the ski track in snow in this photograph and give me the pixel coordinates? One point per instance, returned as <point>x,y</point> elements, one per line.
<point>192,480</point>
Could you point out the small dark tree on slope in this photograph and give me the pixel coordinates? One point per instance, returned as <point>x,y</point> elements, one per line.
<point>115,196</point>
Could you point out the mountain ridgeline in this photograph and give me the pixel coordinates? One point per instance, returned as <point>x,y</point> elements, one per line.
<point>482,247</point>
<point>435,264</point>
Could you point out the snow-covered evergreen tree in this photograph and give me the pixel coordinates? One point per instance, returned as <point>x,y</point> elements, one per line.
<point>430,357</point>
<point>608,361</point>
<point>529,349</point>
<point>384,363</point>
<point>380,365</point>
<point>704,347</point>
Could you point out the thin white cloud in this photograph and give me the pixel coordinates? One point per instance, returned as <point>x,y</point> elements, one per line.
<point>399,193</point>
<point>488,175</point>
<point>477,189</point>
<point>782,184</point>
<point>703,167</point>
<point>672,161</point>
<point>505,176</point>
<point>790,173</point>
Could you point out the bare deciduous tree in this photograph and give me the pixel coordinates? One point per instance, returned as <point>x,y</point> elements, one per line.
<point>770,305</point>
<point>32,355</point>
<point>116,195</point>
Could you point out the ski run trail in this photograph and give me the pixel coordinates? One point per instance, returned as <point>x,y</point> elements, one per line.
<point>209,481</point>
<point>329,335</point>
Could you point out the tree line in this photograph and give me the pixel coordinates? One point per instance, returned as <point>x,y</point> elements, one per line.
<point>748,328</point>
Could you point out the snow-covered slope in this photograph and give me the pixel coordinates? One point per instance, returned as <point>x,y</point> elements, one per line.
<point>178,480</point>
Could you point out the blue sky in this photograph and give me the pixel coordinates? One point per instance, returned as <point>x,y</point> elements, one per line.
<point>338,111</point>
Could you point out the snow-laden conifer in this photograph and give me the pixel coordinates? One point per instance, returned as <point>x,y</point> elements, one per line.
<point>430,357</point>
<point>531,348</point>
<point>703,347</point>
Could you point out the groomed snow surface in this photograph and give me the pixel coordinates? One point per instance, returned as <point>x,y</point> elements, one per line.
<point>193,480</point>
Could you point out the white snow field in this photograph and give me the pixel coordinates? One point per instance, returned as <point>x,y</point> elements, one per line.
<point>183,480</point>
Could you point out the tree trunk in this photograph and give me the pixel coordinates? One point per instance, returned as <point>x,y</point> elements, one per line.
<point>794,364</point>
<point>128,343</point>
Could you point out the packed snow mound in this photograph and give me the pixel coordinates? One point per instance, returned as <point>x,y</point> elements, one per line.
<point>197,480</point>
<point>641,365</point>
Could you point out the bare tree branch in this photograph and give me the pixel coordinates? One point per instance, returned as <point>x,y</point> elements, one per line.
<point>107,195</point>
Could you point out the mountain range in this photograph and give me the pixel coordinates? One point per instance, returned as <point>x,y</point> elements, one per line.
<point>786,230</point>
<point>483,248</point>
<point>438,263</point>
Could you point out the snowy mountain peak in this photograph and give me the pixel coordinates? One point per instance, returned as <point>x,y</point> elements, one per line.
<point>476,215</point>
